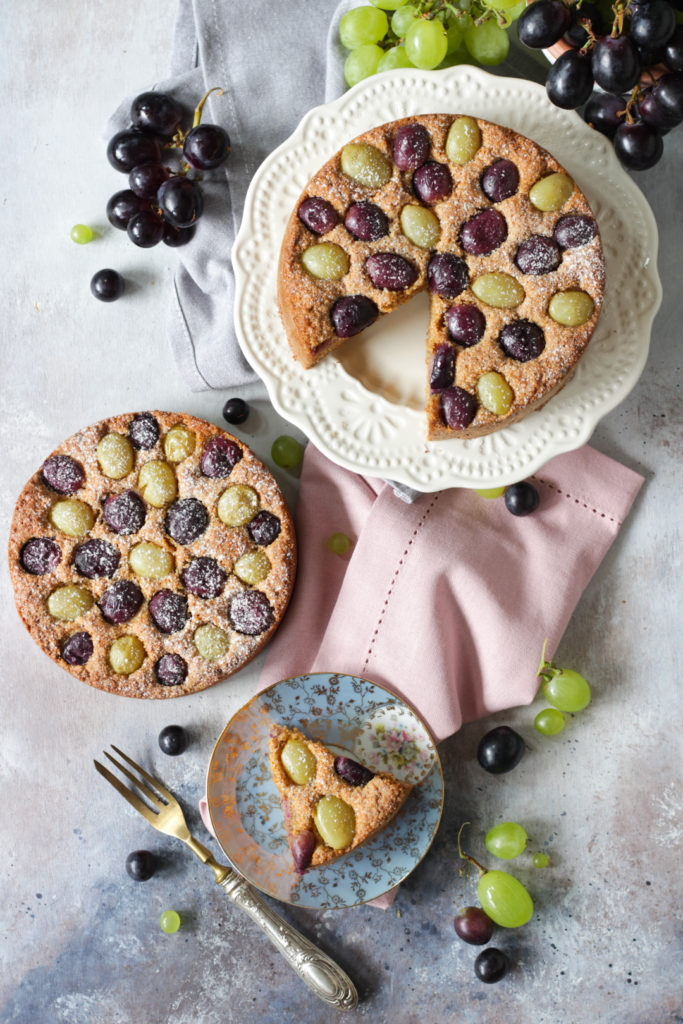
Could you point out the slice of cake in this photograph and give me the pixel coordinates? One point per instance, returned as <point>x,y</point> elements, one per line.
<point>331,804</point>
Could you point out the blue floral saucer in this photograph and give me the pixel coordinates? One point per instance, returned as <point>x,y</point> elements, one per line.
<point>348,714</point>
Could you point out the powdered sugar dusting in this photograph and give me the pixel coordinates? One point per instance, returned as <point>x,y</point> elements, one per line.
<point>221,544</point>
<point>305,302</point>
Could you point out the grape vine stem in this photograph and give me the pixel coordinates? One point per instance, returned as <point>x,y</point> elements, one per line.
<point>200,106</point>
<point>466,856</point>
<point>547,670</point>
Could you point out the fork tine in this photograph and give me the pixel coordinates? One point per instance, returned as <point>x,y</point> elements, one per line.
<point>142,786</point>
<point>150,778</point>
<point>131,797</point>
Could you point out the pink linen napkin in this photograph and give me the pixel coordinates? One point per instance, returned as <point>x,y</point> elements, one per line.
<point>447,600</point>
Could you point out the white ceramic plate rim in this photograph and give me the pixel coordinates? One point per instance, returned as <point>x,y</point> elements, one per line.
<point>365,432</point>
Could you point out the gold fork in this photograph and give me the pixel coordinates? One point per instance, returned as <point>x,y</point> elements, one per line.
<point>322,975</point>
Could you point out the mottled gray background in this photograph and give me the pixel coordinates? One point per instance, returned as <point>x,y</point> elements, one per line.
<point>80,940</point>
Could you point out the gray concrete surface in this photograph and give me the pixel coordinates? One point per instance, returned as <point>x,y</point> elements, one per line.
<point>80,940</point>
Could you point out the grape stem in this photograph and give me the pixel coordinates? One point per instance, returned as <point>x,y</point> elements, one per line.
<point>619,10</point>
<point>630,103</point>
<point>587,26</point>
<point>390,40</point>
<point>200,106</point>
<point>547,669</point>
<point>465,856</point>
<point>178,140</point>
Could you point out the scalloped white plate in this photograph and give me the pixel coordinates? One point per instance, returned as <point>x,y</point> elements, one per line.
<point>362,406</point>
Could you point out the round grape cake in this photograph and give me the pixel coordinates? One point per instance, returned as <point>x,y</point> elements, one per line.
<point>152,555</point>
<point>482,218</point>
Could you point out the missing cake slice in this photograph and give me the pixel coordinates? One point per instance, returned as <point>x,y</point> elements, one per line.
<point>331,804</point>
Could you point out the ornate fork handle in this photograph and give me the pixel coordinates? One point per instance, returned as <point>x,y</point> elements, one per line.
<point>314,967</point>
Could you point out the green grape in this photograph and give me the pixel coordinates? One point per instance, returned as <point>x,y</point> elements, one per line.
<point>389,5</point>
<point>541,860</point>
<point>454,34</point>
<point>286,452</point>
<point>513,13</point>
<point>499,5</point>
<point>252,567</point>
<point>82,234</point>
<point>552,192</point>
<point>504,899</point>
<point>549,722</point>
<point>339,543</point>
<point>396,57</point>
<point>506,840</point>
<point>420,225</point>
<point>365,164</point>
<point>326,260</point>
<point>494,393</point>
<point>402,19</point>
<point>335,821</point>
<point>460,56</point>
<point>298,762</point>
<point>362,25</point>
<point>361,63</point>
<point>169,921</point>
<point>212,642</point>
<point>502,16</point>
<point>566,690</point>
<point>490,492</point>
<point>499,290</point>
<point>426,44</point>
<point>488,43</point>
<point>571,308</point>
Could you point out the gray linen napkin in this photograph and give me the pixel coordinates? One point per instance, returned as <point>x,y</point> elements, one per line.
<point>270,59</point>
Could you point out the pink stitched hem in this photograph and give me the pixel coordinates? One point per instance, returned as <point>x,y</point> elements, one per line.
<point>395,577</point>
<point>577,501</point>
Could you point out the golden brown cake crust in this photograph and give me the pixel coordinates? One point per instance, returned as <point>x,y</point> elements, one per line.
<point>305,302</point>
<point>375,804</point>
<point>223,543</point>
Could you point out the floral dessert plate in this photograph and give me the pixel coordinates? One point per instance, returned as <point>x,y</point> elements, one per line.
<point>351,716</point>
<point>363,406</point>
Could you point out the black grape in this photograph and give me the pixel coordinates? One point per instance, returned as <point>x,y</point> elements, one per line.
<point>542,23</point>
<point>570,80</point>
<point>615,63</point>
<point>638,146</point>
<point>673,51</point>
<point>653,24</point>
<point>605,112</point>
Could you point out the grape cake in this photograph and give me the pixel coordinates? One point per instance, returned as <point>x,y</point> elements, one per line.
<point>330,804</point>
<point>152,555</point>
<point>484,220</point>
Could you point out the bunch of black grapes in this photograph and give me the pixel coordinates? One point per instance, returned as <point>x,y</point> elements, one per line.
<point>637,61</point>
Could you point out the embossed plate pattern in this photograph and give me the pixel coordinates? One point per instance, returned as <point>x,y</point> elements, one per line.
<point>343,712</point>
<point>364,431</point>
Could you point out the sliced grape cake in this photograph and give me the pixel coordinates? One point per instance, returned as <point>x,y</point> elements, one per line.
<point>152,555</point>
<point>482,218</point>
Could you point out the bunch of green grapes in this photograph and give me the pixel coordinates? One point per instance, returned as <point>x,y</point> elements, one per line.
<point>388,34</point>
<point>565,689</point>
